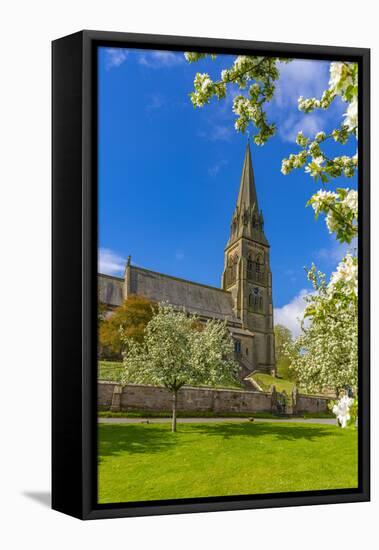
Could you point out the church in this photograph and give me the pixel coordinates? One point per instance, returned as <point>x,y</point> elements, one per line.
<point>244,300</point>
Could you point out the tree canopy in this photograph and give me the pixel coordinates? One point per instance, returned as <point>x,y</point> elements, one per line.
<point>283,337</point>
<point>175,352</point>
<point>325,355</point>
<point>131,317</point>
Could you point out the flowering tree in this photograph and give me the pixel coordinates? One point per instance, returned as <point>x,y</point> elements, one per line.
<point>341,207</point>
<point>176,352</point>
<point>257,75</point>
<point>283,338</point>
<point>345,411</point>
<point>326,352</point>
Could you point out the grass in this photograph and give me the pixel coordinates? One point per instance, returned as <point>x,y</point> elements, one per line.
<point>109,370</point>
<point>140,462</point>
<point>265,381</point>
<point>204,414</point>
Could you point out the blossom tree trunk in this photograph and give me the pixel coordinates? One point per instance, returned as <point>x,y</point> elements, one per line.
<point>174,407</point>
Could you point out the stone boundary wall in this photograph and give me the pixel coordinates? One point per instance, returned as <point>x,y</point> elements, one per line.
<point>311,404</point>
<point>134,397</point>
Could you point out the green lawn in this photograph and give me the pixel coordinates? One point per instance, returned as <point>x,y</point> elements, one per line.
<point>109,370</point>
<point>266,381</point>
<point>148,462</point>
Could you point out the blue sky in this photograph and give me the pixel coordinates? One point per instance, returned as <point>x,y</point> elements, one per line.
<point>169,174</point>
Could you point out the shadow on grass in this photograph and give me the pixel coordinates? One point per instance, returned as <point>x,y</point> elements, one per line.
<point>134,439</point>
<point>155,438</point>
<point>278,431</point>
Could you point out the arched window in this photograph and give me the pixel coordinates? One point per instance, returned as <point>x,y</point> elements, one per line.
<point>259,264</point>
<point>234,267</point>
<point>229,270</point>
<point>237,346</point>
<point>256,300</point>
<point>249,263</point>
<point>250,267</point>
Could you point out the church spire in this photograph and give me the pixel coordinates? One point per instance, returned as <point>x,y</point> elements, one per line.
<point>247,219</point>
<point>247,196</point>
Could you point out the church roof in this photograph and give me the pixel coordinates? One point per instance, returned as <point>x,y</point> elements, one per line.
<point>203,300</point>
<point>110,290</point>
<point>196,298</point>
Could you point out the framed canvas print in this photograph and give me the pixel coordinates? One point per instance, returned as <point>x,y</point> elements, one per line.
<point>210,274</point>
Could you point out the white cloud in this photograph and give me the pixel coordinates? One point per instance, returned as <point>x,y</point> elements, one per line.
<point>336,251</point>
<point>160,58</point>
<point>156,101</point>
<point>218,132</point>
<point>307,78</point>
<point>221,133</point>
<point>110,263</point>
<point>290,126</point>
<point>115,57</point>
<point>219,119</point>
<point>215,168</point>
<point>292,313</point>
<point>291,274</point>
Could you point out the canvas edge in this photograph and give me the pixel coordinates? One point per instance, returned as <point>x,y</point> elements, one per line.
<point>85,506</point>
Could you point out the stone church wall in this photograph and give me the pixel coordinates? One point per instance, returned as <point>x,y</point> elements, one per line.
<point>111,396</point>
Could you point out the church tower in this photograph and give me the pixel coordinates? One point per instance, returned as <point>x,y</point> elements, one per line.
<point>247,273</point>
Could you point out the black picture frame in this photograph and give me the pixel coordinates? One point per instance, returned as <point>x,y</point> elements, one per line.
<point>74,205</point>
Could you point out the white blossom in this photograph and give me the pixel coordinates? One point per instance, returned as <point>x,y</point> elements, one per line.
<point>322,198</point>
<point>176,351</point>
<point>347,274</point>
<point>351,201</point>
<point>342,410</point>
<point>332,222</point>
<point>336,70</point>
<point>314,167</point>
<point>351,115</point>
<point>320,136</point>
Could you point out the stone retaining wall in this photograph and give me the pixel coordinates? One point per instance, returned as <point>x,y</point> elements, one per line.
<point>311,404</point>
<point>112,396</point>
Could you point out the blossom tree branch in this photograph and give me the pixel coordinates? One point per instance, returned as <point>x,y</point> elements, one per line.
<point>255,74</point>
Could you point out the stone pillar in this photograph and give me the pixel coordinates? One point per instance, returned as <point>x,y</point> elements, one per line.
<point>284,400</point>
<point>274,400</point>
<point>295,396</point>
<point>127,276</point>
<point>116,399</point>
